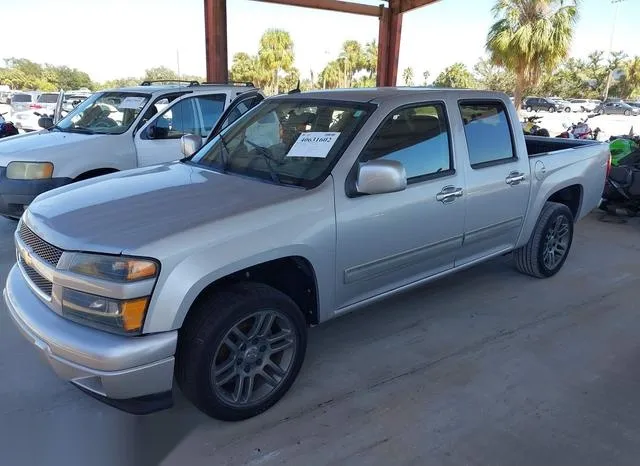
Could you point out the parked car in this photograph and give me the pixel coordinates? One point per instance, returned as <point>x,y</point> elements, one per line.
<point>27,120</point>
<point>565,105</point>
<point>617,108</point>
<point>541,103</point>
<point>111,131</point>
<point>22,101</point>
<point>311,205</point>
<point>634,104</point>
<point>583,105</point>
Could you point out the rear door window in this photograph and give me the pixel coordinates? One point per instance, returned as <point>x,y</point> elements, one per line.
<point>488,133</point>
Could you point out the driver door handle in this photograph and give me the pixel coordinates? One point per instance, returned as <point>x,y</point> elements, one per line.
<point>449,194</point>
<point>515,178</point>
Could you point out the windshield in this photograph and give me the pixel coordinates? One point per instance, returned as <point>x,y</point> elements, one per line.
<point>294,142</point>
<point>21,98</point>
<point>105,113</point>
<point>48,98</point>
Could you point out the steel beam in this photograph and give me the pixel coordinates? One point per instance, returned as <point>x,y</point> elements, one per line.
<point>215,31</point>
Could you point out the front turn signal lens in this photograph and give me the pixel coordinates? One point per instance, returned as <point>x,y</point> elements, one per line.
<point>133,311</point>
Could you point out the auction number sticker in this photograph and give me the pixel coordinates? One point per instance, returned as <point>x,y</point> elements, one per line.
<point>314,144</point>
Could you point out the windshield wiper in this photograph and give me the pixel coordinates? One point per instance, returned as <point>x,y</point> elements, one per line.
<point>268,158</point>
<point>77,129</point>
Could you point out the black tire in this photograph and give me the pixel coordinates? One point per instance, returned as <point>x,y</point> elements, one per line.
<point>567,109</point>
<point>529,258</point>
<point>552,109</point>
<point>528,109</point>
<point>543,132</point>
<point>209,322</point>
<point>627,113</point>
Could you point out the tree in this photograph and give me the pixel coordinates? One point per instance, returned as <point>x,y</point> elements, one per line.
<point>370,58</point>
<point>494,77</point>
<point>456,76</point>
<point>407,76</point>
<point>613,64</point>
<point>160,73</point>
<point>276,54</point>
<point>531,36</point>
<point>426,75</point>
<point>351,59</point>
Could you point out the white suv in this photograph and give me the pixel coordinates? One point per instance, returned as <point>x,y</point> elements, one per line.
<point>114,130</point>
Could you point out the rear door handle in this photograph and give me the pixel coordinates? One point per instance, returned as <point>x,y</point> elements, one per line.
<point>449,194</point>
<point>515,178</point>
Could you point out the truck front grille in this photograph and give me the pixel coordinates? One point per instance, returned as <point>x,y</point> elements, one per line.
<point>38,280</point>
<point>47,252</point>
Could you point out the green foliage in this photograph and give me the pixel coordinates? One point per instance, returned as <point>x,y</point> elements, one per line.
<point>456,76</point>
<point>531,37</point>
<point>407,76</point>
<point>494,77</point>
<point>21,73</point>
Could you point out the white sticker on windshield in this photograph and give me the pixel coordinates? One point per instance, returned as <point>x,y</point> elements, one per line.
<point>313,144</point>
<point>132,102</point>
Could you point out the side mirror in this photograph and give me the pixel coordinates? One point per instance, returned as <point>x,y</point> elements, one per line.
<point>45,122</point>
<point>381,176</point>
<point>190,144</point>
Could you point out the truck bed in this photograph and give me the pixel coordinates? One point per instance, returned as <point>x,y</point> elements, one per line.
<point>541,145</point>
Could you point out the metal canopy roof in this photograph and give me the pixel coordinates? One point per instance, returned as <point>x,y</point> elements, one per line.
<point>389,13</point>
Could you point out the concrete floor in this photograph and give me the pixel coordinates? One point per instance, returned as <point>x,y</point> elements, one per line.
<point>487,367</point>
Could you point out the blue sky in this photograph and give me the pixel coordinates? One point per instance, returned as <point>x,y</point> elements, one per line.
<point>118,38</point>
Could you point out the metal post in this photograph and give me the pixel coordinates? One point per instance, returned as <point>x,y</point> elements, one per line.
<point>613,29</point>
<point>215,30</point>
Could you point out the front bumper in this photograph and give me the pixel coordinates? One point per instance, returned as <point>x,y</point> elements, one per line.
<point>134,374</point>
<point>16,194</point>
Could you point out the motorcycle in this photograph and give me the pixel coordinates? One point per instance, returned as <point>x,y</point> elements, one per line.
<point>580,130</point>
<point>6,127</point>
<point>622,186</point>
<point>530,126</point>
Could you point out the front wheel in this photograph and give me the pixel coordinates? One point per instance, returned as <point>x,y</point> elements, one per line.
<point>528,109</point>
<point>240,351</point>
<point>547,250</point>
<point>627,113</point>
<point>552,109</point>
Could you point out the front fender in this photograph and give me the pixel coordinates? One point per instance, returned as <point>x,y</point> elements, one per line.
<point>179,290</point>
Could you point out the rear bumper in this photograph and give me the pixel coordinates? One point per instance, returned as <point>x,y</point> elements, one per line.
<point>16,194</point>
<point>134,374</point>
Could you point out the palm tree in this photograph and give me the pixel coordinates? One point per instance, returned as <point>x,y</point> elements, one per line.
<point>352,59</point>
<point>407,75</point>
<point>531,36</point>
<point>276,53</point>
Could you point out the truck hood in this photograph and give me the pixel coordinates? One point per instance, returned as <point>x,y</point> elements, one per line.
<point>128,210</point>
<point>42,146</point>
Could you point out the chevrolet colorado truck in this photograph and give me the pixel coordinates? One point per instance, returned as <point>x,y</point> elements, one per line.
<point>112,130</point>
<point>208,271</point>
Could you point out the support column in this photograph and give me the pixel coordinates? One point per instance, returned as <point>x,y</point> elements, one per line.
<point>215,31</point>
<point>389,34</point>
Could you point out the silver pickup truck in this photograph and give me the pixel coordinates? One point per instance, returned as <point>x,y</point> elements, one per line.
<point>210,270</point>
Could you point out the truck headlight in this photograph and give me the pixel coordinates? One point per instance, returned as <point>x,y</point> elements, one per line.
<point>29,170</point>
<point>112,268</point>
<point>112,315</point>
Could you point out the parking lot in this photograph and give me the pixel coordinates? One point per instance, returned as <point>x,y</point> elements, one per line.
<point>486,367</point>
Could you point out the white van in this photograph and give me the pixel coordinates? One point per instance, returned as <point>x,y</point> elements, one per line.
<point>114,130</point>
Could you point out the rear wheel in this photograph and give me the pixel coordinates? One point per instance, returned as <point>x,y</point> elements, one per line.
<point>241,351</point>
<point>567,109</point>
<point>547,250</point>
<point>528,109</point>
